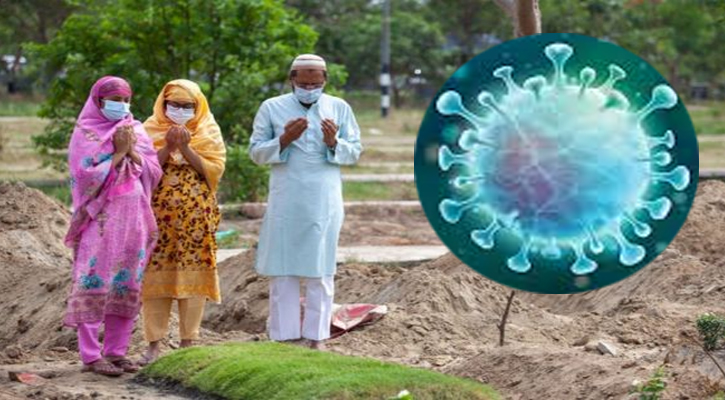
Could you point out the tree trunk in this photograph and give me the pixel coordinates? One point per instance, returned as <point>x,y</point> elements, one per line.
<point>525,15</point>
<point>504,318</point>
<point>526,18</point>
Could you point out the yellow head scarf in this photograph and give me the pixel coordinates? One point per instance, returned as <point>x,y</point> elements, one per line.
<point>206,137</point>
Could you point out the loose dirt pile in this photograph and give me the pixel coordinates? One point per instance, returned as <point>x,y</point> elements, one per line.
<point>245,294</point>
<point>35,279</point>
<point>442,315</point>
<point>34,268</point>
<point>703,234</point>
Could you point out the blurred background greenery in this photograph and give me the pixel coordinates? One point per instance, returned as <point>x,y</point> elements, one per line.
<point>51,52</point>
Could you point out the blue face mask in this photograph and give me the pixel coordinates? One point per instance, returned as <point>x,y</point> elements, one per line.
<point>115,110</point>
<point>308,96</point>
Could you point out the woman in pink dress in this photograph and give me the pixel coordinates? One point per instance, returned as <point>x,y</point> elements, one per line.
<point>114,170</point>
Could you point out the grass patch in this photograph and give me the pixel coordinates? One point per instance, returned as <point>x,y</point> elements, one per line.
<point>362,191</point>
<point>352,191</point>
<point>18,158</point>
<point>708,118</point>
<point>61,193</point>
<point>398,155</point>
<point>403,122</point>
<point>362,169</point>
<point>235,240</point>
<point>228,241</point>
<point>273,371</point>
<point>706,146</point>
<point>19,107</point>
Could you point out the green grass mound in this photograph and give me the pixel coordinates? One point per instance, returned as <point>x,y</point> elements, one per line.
<point>273,371</point>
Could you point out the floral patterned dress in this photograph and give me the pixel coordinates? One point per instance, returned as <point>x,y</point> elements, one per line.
<point>183,264</point>
<point>110,258</point>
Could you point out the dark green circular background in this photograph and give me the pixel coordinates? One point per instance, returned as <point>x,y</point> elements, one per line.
<point>526,56</point>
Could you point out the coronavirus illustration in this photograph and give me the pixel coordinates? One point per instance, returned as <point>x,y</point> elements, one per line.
<point>560,167</point>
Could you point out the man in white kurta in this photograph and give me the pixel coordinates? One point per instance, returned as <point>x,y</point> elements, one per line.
<point>306,136</point>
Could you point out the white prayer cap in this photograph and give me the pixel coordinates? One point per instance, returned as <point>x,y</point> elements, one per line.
<point>308,61</point>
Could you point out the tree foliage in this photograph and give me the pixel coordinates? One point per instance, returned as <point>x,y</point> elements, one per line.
<point>30,21</point>
<point>351,32</point>
<point>26,21</point>
<point>239,52</point>
<point>712,331</point>
<point>675,36</point>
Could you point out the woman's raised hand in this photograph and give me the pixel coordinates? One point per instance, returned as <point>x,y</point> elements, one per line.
<point>173,138</point>
<point>123,140</point>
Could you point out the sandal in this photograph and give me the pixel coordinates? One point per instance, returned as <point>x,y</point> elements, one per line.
<point>102,367</point>
<point>146,359</point>
<point>125,364</point>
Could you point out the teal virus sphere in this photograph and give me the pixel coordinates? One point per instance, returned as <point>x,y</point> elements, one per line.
<point>562,180</point>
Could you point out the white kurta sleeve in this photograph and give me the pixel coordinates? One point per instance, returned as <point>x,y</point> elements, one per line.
<point>264,147</point>
<point>349,148</point>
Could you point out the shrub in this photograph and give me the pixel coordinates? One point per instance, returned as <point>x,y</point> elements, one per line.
<point>712,330</point>
<point>243,180</point>
<point>654,387</point>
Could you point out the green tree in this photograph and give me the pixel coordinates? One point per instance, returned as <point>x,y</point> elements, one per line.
<point>676,37</point>
<point>239,52</point>
<point>351,31</point>
<point>595,18</point>
<point>25,21</point>
<point>409,33</point>
<point>466,21</point>
<point>330,18</point>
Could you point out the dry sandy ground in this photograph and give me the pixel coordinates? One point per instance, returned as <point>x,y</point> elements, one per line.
<point>442,315</point>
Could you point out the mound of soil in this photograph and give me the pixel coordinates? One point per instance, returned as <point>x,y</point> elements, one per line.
<point>442,315</point>
<point>703,235</point>
<point>245,294</point>
<point>35,267</point>
<point>35,279</point>
<point>672,276</point>
<point>438,311</point>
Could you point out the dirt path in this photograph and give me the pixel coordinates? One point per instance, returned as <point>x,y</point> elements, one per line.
<point>65,381</point>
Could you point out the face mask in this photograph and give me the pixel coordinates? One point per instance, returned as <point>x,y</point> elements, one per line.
<point>115,110</point>
<point>179,115</point>
<point>307,96</point>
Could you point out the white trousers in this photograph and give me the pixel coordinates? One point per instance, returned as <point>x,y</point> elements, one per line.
<point>284,308</point>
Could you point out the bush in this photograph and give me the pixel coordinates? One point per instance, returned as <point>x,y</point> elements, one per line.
<point>238,51</point>
<point>654,387</point>
<point>712,330</point>
<point>243,180</point>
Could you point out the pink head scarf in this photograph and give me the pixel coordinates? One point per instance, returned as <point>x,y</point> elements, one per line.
<point>91,151</point>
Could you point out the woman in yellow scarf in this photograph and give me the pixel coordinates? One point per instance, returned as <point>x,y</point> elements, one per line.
<point>183,266</point>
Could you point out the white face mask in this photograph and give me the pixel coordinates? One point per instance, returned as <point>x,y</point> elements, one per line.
<point>307,96</point>
<point>115,110</point>
<point>179,115</point>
